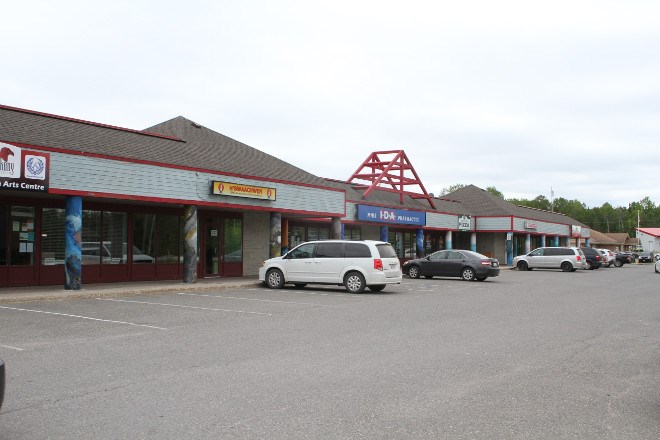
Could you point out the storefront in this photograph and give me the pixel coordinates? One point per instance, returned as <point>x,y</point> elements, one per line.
<point>126,205</point>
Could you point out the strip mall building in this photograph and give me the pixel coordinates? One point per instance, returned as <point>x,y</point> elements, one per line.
<point>133,201</point>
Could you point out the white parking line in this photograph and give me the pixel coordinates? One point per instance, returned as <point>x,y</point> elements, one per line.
<point>184,307</point>
<point>9,346</point>
<point>253,299</point>
<point>83,317</point>
<point>308,292</point>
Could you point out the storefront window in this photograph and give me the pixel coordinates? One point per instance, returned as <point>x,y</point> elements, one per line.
<point>317,233</point>
<point>296,236</point>
<point>4,233</point>
<point>167,249</point>
<point>352,234</point>
<point>91,237</point>
<point>144,236</point>
<point>53,231</point>
<point>115,238</point>
<point>233,245</point>
<point>22,236</point>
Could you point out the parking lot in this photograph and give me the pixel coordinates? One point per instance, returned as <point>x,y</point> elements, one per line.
<point>538,354</point>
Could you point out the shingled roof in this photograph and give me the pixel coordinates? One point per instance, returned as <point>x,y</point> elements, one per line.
<point>178,142</point>
<point>482,203</point>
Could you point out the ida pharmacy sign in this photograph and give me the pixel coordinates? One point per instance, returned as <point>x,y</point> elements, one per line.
<point>23,170</point>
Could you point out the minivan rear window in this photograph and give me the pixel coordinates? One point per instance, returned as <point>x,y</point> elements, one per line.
<point>357,250</point>
<point>386,250</point>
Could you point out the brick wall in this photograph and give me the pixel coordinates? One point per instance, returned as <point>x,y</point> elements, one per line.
<point>256,241</point>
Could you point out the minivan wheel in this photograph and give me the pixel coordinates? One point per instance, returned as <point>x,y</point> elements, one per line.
<point>274,279</point>
<point>566,266</point>
<point>522,265</point>
<point>413,272</point>
<point>468,274</point>
<point>354,282</point>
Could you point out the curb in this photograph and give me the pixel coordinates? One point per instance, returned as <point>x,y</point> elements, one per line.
<point>10,298</point>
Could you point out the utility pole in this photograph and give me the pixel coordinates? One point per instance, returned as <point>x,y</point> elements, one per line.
<point>552,200</point>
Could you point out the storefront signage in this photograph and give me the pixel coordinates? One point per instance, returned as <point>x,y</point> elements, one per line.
<point>23,170</point>
<point>388,215</point>
<point>576,231</point>
<point>464,222</point>
<point>241,190</point>
<point>531,225</point>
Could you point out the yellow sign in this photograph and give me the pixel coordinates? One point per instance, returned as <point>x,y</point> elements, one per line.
<point>241,190</point>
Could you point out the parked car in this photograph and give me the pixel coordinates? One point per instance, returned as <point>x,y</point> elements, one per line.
<point>623,258</point>
<point>609,258</point>
<point>657,265</point>
<point>2,382</point>
<point>353,264</point>
<point>594,258</point>
<point>568,259</point>
<point>645,257</point>
<point>468,265</point>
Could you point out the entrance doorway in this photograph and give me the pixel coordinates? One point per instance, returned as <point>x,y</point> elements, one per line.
<point>223,247</point>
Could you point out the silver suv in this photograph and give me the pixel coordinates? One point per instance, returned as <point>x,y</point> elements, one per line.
<point>353,264</point>
<point>567,259</point>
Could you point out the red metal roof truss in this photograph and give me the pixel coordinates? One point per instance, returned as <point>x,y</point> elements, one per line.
<point>390,175</point>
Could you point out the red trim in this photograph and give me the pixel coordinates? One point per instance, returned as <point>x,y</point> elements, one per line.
<point>67,192</point>
<point>653,232</point>
<point>166,165</point>
<point>96,124</point>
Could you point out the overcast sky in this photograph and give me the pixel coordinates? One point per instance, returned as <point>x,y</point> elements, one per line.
<point>520,95</point>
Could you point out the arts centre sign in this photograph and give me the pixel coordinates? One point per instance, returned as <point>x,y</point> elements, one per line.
<point>23,170</point>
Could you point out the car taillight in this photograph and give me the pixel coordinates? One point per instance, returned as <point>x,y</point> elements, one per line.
<point>597,257</point>
<point>579,258</point>
<point>378,264</point>
<point>485,262</point>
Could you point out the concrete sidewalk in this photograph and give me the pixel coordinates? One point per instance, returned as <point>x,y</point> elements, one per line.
<point>46,293</point>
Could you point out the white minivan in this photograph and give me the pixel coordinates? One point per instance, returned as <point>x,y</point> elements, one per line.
<point>567,259</point>
<point>353,264</point>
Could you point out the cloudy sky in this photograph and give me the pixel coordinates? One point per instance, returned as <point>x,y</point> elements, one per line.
<point>521,95</point>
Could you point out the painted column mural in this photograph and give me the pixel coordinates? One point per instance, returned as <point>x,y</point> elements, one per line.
<point>448,243</point>
<point>73,243</point>
<point>190,249</point>
<point>285,236</point>
<point>542,240</point>
<point>473,242</point>
<point>420,243</point>
<point>275,234</point>
<point>556,241</point>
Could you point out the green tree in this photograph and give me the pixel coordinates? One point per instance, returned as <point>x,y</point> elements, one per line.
<point>494,191</point>
<point>451,189</point>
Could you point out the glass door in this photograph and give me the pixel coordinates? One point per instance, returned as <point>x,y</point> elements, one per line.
<point>213,249</point>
